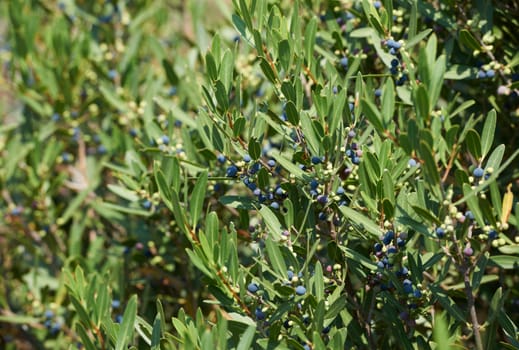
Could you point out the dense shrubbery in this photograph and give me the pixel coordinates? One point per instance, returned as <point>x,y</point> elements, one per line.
<point>307,175</point>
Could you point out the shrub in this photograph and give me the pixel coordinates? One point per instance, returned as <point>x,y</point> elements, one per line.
<point>337,175</point>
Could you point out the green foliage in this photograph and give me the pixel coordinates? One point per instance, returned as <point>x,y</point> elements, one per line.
<point>307,175</point>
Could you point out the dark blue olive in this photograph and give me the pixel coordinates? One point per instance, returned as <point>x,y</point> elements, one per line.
<point>316,160</point>
<point>300,290</point>
<point>478,172</point>
<point>232,171</point>
<point>260,315</point>
<point>252,287</point>
<point>388,237</point>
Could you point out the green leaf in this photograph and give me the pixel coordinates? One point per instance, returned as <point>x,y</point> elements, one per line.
<point>81,310</point>
<point>210,65</point>
<point>164,190</point>
<point>436,81</point>
<point>128,324</point>
<point>272,222</point>
<point>156,334</point>
<point>448,304</point>
<point>275,256</point>
<point>268,71</point>
<point>18,319</point>
<point>473,203</point>
<point>479,270</point>
<point>441,332</point>
<point>373,115</point>
<point>292,113</point>
<point>505,261</point>
<point>238,202</point>
<point>226,69</point>
<point>421,100</point>
<point>254,149</point>
<point>178,213</point>
<point>318,282</point>
<point>123,192</point>
<point>197,198</point>
<point>85,338</point>
<point>461,72</point>
<point>198,262</point>
<point>388,102</point>
<point>473,143</point>
<point>357,257</point>
<point>487,135</point>
<point>309,40</point>
<point>247,338</point>
<point>429,165</point>
<point>364,222</point>
<point>289,166</point>
<point>468,40</point>
<point>170,72</point>
<point>417,38</point>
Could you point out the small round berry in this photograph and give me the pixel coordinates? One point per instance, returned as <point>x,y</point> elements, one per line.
<point>246,158</point>
<point>112,74</point>
<point>118,318</point>
<point>412,162</point>
<point>490,73</point>
<point>271,163</point>
<point>408,286</point>
<point>253,287</point>
<point>340,190</point>
<point>146,204</point>
<point>221,158</point>
<point>378,92</point>
<point>260,315</point>
<point>232,171</point>
<point>395,62</point>
<point>351,134</point>
<point>492,235</point>
<point>116,303</point>
<point>316,160</point>
<point>468,251</point>
<point>388,237</point>
<point>49,314</point>
<point>440,232</point>
<point>300,290</point>
<point>482,74</point>
<point>323,199</point>
<point>478,172</point>
<point>274,205</point>
<point>377,247</point>
<point>290,275</point>
<point>344,62</point>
